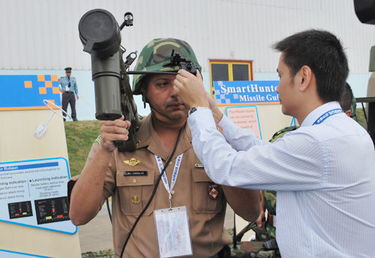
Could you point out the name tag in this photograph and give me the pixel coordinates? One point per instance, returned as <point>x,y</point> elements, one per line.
<point>135,173</point>
<point>198,165</point>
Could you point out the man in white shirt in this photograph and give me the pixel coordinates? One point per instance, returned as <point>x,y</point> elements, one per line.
<point>324,171</point>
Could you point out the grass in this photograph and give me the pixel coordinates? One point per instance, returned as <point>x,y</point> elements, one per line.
<point>104,253</point>
<point>79,137</point>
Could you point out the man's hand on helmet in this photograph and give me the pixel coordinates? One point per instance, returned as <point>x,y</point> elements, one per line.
<point>190,88</point>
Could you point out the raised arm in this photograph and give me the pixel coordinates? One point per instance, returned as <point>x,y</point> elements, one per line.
<point>88,192</point>
<point>245,203</point>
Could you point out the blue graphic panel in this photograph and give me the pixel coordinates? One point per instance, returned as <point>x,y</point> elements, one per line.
<point>246,92</point>
<point>33,193</point>
<point>22,92</point>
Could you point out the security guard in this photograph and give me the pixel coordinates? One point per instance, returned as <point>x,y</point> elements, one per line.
<point>188,208</point>
<point>69,89</point>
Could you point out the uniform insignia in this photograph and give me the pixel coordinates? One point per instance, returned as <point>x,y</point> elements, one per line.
<point>136,199</point>
<point>132,162</point>
<point>135,173</point>
<point>198,165</point>
<point>213,191</point>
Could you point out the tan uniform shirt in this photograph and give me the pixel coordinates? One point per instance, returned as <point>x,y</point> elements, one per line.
<point>131,192</point>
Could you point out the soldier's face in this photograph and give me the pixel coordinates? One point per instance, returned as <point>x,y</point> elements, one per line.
<point>163,98</point>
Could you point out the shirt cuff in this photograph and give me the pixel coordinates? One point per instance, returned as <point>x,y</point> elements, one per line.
<point>225,122</point>
<point>202,118</point>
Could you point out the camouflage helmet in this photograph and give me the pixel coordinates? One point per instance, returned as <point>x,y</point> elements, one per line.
<point>156,54</point>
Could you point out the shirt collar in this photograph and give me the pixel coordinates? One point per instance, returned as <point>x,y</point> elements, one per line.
<point>148,138</point>
<point>316,113</point>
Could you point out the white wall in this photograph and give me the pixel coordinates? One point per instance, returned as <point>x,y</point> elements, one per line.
<point>43,34</point>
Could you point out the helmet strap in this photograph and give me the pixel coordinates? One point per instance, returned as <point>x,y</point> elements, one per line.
<point>144,98</point>
<point>144,101</point>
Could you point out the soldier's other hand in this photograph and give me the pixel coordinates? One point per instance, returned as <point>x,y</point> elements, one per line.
<point>116,130</point>
<point>190,88</point>
<point>262,215</point>
<point>260,219</point>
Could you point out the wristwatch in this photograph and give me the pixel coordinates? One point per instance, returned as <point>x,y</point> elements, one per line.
<point>192,110</point>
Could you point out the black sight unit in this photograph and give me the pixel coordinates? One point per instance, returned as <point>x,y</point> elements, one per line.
<point>100,35</point>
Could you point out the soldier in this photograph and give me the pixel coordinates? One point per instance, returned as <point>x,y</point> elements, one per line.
<point>130,177</point>
<point>348,103</point>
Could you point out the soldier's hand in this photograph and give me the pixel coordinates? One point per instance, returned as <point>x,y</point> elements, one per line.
<point>262,215</point>
<point>116,130</point>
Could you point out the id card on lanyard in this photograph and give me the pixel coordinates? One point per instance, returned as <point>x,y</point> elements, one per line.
<point>172,224</point>
<point>172,227</point>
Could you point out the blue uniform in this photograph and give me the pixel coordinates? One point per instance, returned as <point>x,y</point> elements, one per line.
<point>64,83</point>
<point>68,85</point>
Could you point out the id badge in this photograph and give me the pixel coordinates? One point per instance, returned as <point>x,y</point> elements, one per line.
<point>172,227</point>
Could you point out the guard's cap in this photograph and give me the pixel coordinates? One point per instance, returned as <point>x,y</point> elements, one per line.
<point>68,69</point>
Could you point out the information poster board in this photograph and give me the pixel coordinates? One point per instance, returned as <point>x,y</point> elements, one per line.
<point>14,254</point>
<point>245,117</point>
<point>33,193</point>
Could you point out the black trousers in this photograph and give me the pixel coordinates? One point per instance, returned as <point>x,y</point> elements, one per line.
<point>68,98</point>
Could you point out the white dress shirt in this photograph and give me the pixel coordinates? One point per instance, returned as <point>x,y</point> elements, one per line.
<point>324,175</point>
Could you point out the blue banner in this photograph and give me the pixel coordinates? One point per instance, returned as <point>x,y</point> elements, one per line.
<point>246,92</point>
<point>24,92</point>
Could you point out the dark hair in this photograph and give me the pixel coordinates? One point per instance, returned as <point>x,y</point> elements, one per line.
<point>324,54</point>
<point>346,100</point>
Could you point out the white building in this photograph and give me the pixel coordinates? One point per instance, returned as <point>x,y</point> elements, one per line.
<point>41,36</point>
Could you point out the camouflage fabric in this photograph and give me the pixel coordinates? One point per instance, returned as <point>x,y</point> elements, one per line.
<point>270,202</point>
<point>155,57</point>
<point>282,132</point>
<point>240,253</point>
<point>270,206</point>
